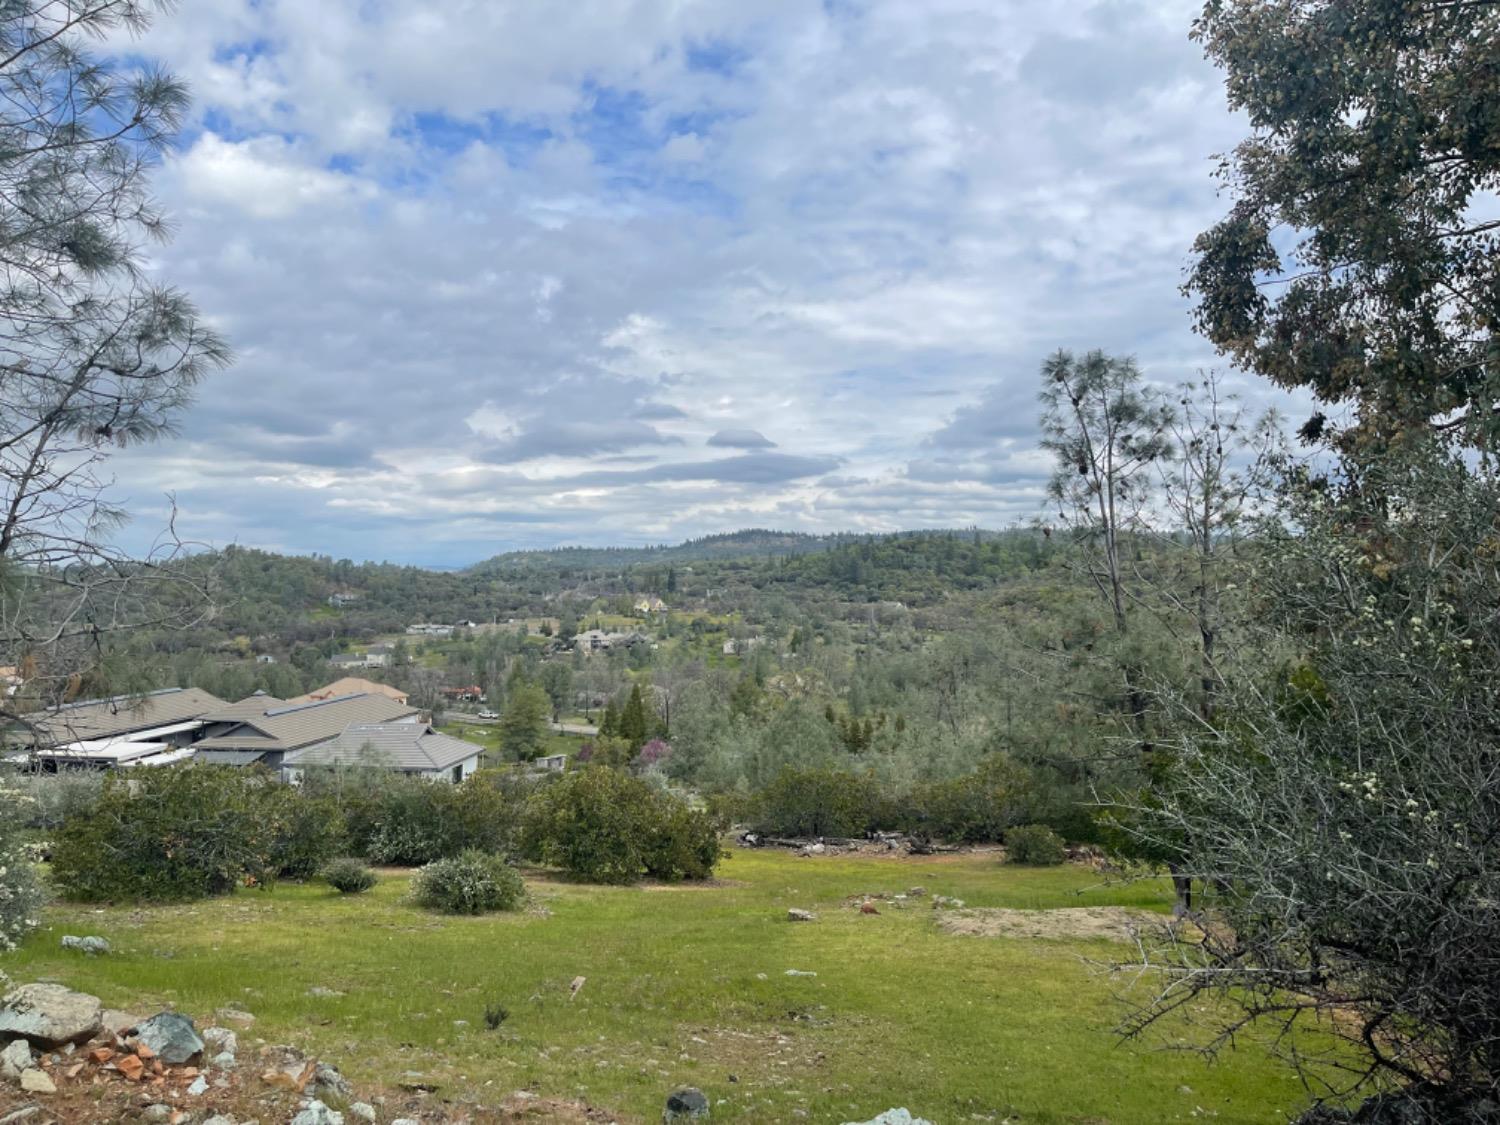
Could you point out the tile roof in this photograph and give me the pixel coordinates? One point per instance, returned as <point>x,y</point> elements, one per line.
<point>107,718</point>
<point>400,746</point>
<point>350,685</point>
<point>291,726</point>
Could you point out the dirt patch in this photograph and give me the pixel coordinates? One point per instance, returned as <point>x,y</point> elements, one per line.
<point>1078,923</point>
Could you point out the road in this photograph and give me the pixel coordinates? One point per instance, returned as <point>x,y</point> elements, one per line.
<point>584,729</point>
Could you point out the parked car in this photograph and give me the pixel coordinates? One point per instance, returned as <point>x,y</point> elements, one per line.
<point>488,714</point>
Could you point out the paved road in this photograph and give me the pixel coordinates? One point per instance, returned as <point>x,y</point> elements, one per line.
<point>585,729</point>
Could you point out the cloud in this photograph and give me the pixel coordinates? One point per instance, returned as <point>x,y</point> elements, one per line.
<point>741,439</point>
<point>494,272</point>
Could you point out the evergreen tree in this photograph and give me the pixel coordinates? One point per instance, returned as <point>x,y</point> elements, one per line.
<point>633,725</point>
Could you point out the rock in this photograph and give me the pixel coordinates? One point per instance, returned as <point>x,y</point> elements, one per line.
<point>236,1016</point>
<point>15,1058</point>
<point>406,1121</point>
<point>316,1113</point>
<point>49,1015</point>
<point>362,1110</point>
<point>89,945</point>
<point>220,1039</point>
<point>118,1022</point>
<point>35,1081</point>
<point>813,849</point>
<point>324,993</point>
<point>916,892</point>
<point>327,1082</point>
<point>686,1104</point>
<point>893,1117</point>
<point>199,1086</point>
<point>799,973</point>
<point>224,1060</point>
<point>25,1113</point>
<point>170,1037</point>
<point>943,902</point>
<point>131,1067</point>
<point>795,915</point>
<point>868,908</point>
<point>219,1119</point>
<point>157,1111</point>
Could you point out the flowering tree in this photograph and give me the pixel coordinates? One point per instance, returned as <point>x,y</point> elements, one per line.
<point>21,893</point>
<point>1343,802</point>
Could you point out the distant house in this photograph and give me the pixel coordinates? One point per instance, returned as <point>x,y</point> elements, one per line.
<point>264,730</point>
<point>350,685</point>
<point>597,640</point>
<point>425,629</point>
<point>470,693</point>
<point>359,660</point>
<point>265,658</point>
<point>650,604</point>
<point>742,645</point>
<point>406,747</point>
<point>342,599</point>
<point>551,763</point>
<point>156,728</point>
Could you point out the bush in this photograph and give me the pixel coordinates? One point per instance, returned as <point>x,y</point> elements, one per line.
<point>348,876</point>
<point>54,797</point>
<point>1035,845</point>
<point>978,808</point>
<point>21,893</point>
<point>472,882</point>
<point>175,833</point>
<point>820,802</point>
<point>309,833</point>
<point>608,827</point>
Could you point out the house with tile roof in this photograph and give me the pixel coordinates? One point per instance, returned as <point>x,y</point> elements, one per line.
<point>123,715</point>
<point>263,730</point>
<point>416,749</point>
<point>351,685</point>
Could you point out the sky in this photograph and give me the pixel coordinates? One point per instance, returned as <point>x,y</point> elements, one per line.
<point>505,275</point>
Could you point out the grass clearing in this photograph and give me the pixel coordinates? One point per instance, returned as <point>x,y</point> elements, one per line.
<point>687,985</point>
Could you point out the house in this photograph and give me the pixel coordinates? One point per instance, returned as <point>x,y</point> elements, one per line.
<point>742,645</point>
<point>409,748</point>
<point>472,693</point>
<point>342,599</point>
<point>263,729</point>
<point>350,685</point>
<point>551,763</point>
<point>151,729</point>
<point>265,658</point>
<point>359,660</point>
<point>597,640</point>
<point>650,604</point>
<point>424,629</point>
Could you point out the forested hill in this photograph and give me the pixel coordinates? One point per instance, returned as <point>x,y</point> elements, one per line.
<point>750,543</point>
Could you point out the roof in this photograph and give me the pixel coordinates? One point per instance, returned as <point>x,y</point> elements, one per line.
<point>400,746</point>
<point>247,708</point>
<point>122,714</point>
<point>291,726</point>
<point>227,757</point>
<point>351,685</point>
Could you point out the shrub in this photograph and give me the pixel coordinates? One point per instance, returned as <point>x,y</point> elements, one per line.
<point>309,832</point>
<point>54,797</point>
<point>977,808</point>
<point>472,882</point>
<point>21,893</point>
<point>348,876</point>
<point>495,1015</point>
<point>608,827</point>
<point>819,802</point>
<point>179,832</point>
<point>1035,845</point>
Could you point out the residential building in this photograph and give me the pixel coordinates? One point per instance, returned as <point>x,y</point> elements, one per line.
<point>156,728</point>
<point>264,730</point>
<point>359,660</point>
<point>597,640</point>
<point>409,748</point>
<point>425,629</point>
<point>350,685</point>
<point>649,604</point>
<point>470,693</point>
<point>342,599</point>
<point>551,763</point>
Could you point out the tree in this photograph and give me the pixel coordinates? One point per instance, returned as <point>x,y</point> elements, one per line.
<point>523,726</point>
<point>1344,803</point>
<point>1359,258</point>
<point>94,353</point>
<point>633,726</point>
<point>557,682</point>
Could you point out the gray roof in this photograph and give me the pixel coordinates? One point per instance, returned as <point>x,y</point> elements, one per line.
<point>398,746</point>
<point>122,714</point>
<point>248,708</point>
<point>291,726</point>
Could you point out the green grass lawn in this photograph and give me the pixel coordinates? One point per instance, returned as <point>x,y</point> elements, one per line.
<point>687,985</point>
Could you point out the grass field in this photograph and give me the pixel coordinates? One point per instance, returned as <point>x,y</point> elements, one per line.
<point>687,985</point>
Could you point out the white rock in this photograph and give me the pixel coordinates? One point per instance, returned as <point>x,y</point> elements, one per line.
<point>221,1039</point>
<point>224,1060</point>
<point>316,1113</point>
<point>50,1015</point>
<point>362,1110</point>
<point>199,1086</point>
<point>35,1081</point>
<point>893,1117</point>
<point>15,1058</point>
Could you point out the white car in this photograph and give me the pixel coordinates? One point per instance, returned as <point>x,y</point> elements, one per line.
<point>488,714</point>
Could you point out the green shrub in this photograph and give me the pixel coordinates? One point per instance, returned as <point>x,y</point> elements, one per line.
<point>608,827</point>
<point>54,797</point>
<point>21,893</point>
<point>309,833</point>
<point>1035,845</point>
<point>820,802</point>
<point>348,876</point>
<point>175,833</point>
<point>978,808</point>
<point>472,882</point>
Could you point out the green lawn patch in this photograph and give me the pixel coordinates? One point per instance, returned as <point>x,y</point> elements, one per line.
<point>687,985</point>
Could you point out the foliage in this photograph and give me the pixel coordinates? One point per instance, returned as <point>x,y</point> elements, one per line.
<point>605,826</point>
<point>348,876</point>
<point>1345,805</point>
<point>472,882</point>
<point>1373,142</point>
<point>819,802</point>
<point>977,808</point>
<point>52,798</point>
<point>1034,845</point>
<point>175,833</point>
<point>21,893</point>
<point>309,831</point>
<point>523,727</point>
